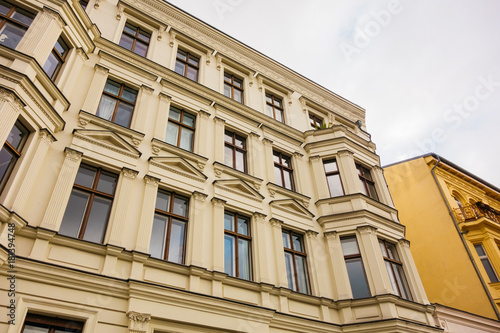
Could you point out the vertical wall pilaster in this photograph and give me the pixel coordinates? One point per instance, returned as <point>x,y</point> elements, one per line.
<point>147,214</point>
<point>69,78</point>
<point>62,191</point>
<point>202,135</point>
<point>299,172</point>
<point>218,236</point>
<point>162,116</point>
<point>254,152</point>
<point>410,269</point>
<point>348,173</point>
<point>261,270</point>
<point>197,231</point>
<point>138,322</point>
<point>95,90</point>
<point>219,140</point>
<point>279,253</point>
<point>141,110</point>
<point>10,108</point>
<point>319,177</point>
<point>269,165</point>
<point>342,287</point>
<point>311,259</point>
<point>381,186</point>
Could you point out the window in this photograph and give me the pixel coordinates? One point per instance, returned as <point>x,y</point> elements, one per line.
<point>274,107</point>
<point>89,205</point>
<point>235,151</point>
<point>117,103</point>
<point>84,3</point>
<point>283,170</point>
<point>295,262</point>
<point>44,324</point>
<point>56,58</point>
<point>333,178</point>
<point>13,24</point>
<point>135,39</point>
<point>11,151</point>
<point>367,183</point>
<point>180,129</point>
<point>237,250</point>
<point>355,269</point>
<point>168,237</point>
<point>233,87</point>
<point>187,65</point>
<point>315,122</point>
<point>486,263</point>
<point>395,270</point>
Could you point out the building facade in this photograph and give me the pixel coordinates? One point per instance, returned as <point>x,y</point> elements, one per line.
<point>453,223</point>
<point>160,176</point>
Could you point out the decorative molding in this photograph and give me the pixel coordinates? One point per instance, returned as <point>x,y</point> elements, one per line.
<point>172,38</point>
<point>138,322</point>
<point>164,97</point>
<point>73,155</point>
<point>218,202</point>
<point>147,90</point>
<point>311,234</point>
<point>96,4</point>
<point>275,222</point>
<point>368,229</point>
<point>120,9</point>
<point>259,217</point>
<point>46,136</point>
<point>101,70</point>
<point>82,53</point>
<point>204,114</point>
<point>218,120</point>
<point>151,181</point>
<point>161,30</point>
<point>129,173</point>
<point>404,242</point>
<point>198,196</point>
<point>345,152</point>
<point>9,97</point>
<point>267,142</point>
<point>315,158</point>
<point>54,16</point>
<point>332,234</point>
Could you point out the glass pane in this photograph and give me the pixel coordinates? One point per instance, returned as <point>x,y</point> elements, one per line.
<point>239,141</point>
<point>300,263</point>
<point>176,246</point>
<point>349,246</point>
<point>174,114</point>
<point>243,226</point>
<point>107,183</point>
<point>479,250</point>
<point>34,329</point>
<point>238,95</point>
<point>181,55</point>
<point>227,90</point>
<point>112,88</point>
<point>392,278</point>
<point>228,156</point>
<point>286,240</point>
<point>331,166</point>
<point>172,134</point>
<point>277,175</point>
<point>16,136</point>
<point>363,187</point>
<point>124,114</point>
<point>193,60</point>
<point>186,139</point>
<point>192,73</point>
<point>23,16</point>
<point>279,115</point>
<point>10,35</point>
<point>228,137</point>
<point>129,94</point>
<point>268,98</point>
<point>391,249</point>
<point>287,175</point>
<point>405,288</point>
<point>227,77</point>
<point>373,193</point>
<point>335,185</point>
<point>106,107</point>
<point>126,42</point>
<point>85,176</point>
<point>98,218</point>
<point>269,110</point>
<point>180,67</point>
<point>238,83</point>
<point>357,278</point>
<point>277,102</point>
<point>286,161</point>
<point>489,270</point>
<point>141,48</point>
<point>5,160</point>
<point>289,271</point>
<point>130,29</point>
<point>383,249</point>
<point>188,119</point>
<point>61,47</point>
<point>366,174</point>
<point>297,243</point>
<point>240,161</point>
<point>180,206</point>
<point>73,216</point>
<point>4,7</point>
<point>229,255</point>
<point>163,201</point>
<point>145,36</point>
<point>158,237</point>
<point>50,65</point>
<point>276,157</point>
<point>244,259</point>
<point>228,221</point>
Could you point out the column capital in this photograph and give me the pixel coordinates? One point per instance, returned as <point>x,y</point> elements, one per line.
<point>259,217</point>
<point>253,135</point>
<point>367,229</point>
<point>54,15</point>
<point>138,322</point>
<point>267,142</point>
<point>345,152</point>
<point>101,69</point>
<point>10,97</point>
<point>218,202</point>
<point>73,155</point>
<point>47,136</point>
<point>404,242</point>
<point>204,114</point>
<point>330,234</point>
<point>129,173</point>
<point>311,234</point>
<point>219,120</point>
<point>164,97</point>
<point>315,158</point>
<point>147,90</point>
<point>275,222</point>
<point>151,181</point>
<point>198,196</point>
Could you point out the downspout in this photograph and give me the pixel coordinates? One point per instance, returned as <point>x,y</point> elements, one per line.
<point>495,308</point>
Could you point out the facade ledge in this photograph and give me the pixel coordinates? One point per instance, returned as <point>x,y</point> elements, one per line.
<point>335,131</point>
<point>161,146</point>
<point>117,60</point>
<point>221,169</point>
<point>334,144</point>
<point>301,198</point>
<point>7,217</point>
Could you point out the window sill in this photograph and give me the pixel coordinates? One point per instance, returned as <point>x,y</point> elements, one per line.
<point>220,168</point>
<point>159,146</point>
<point>274,188</point>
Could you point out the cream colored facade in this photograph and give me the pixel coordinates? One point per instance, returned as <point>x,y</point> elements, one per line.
<point>115,285</point>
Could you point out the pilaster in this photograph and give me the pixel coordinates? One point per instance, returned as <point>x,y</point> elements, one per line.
<point>310,243</point>
<point>162,116</point>
<point>410,269</point>
<point>278,253</point>
<point>10,108</point>
<point>142,109</point>
<point>381,186</point>
<point>138,322</point>
<point>269,165</point>
<point>147,214</point>
<point>96,88</point>
<point>262,268</point>
<point>218,236</point>
<point>348,173</point>
<point>202,132</point>
<point>197,231</point>
<point>255,151</point>
<point>219,140</point>
<point>318,172</point>
<point>342,287</point>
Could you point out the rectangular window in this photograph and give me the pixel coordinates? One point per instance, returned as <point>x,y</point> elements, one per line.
<point>56,58</point>
<point>187,65</point>
<point>180,129</point>
<point>274,107</point>
<point>117,103</point>
<point>14,22</point>
<point>283,170</point>
<point>89,205</point>
<point>43,324</point>
<point>11,151</point>
<point>233,87</point>
<point>395,270</point>
<point>235,151</point>
<point>237,246</point>
<point>135,39</point>
<point>367,183</point>
<point>333,178</point>
<point>295,262</point>
<point>315,122</point>
<point>168,237</point>
<point>488,267</point>
<point>355,269</point>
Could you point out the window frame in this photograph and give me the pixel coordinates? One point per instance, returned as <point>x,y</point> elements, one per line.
<point>118,98</point>
<point>61,59</point>
<point>234,149</point>
<point>314,119</point>
<point>135,37</point>
<point>15,152</point>
<point>186,63</point>
<point>279,165</point>
<point>233,87</point>
<point>396,261</point>
<point>52,323</point>
<point>275,107</point>
<point>237,236</point>
<point>485,259</point>
<point>355,256</point>
<point>294,253</point>
<point>169,216</point>
<point>333,173</point>
<point>7,18</point>
<point>365,181</point>
<point>181,126</point>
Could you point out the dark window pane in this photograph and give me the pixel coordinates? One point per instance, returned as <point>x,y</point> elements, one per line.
<point>129,94</point>
<point>180,68</point>
<point>174,114</point>
<point>129,28</point>
<point>35,329</point>
<point>23,16</point>
<point>357,278</point>
<point>112,88</point>
<point>289,271</point>
<point>163,201</point>
<point>16,135</point>
<point>141,48</point>
<point>126,42</point>
<point>4,7</point>
<point>229,255</point>
<point>243,226</point>
<point>50,65</point>
<point>124,114</point>
<point>10,35</point>
<point>286,240</point>
<point>286,161</point>
<point>5,161</point>
<point>373,193</point>
<point>98,218</point>
<point>192,73</point>
<point>239,141</point>
<point>297,243</point>
<point>403,284</point>
<point>85,176</point>
<point>229,221</point>
<point>107,183</point>
<point>73,216</point>
<point>349,246</point>
<point>176,245</point>
<point>180,206</point>
<point>181,55</point>
<point>188,119</point>
<point>244,259</point>
<point>479,250</point>
<point>489,270</point>
<point>158,236</point>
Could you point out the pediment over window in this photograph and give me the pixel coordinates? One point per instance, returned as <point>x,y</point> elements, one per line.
<point>291,206</point>
<point>179,166</point>
<point>238,187</point>
<point>105,139</point>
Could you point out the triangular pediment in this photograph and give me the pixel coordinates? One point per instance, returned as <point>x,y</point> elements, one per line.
<point>178,165</point>
<point>291,206</point>
<point>107,139</point>
<point>240,187</point>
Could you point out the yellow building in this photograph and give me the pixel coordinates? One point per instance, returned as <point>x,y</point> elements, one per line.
<point>453,223</point>
<point>159,176</point>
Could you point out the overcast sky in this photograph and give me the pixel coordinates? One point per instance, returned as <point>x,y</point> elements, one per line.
<point>427,72</point>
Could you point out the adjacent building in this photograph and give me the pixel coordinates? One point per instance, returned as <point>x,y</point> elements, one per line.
<point>158,175</point>
<point>453,224</point>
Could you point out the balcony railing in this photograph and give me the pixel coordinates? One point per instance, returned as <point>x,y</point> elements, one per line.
<point>476,211</point>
